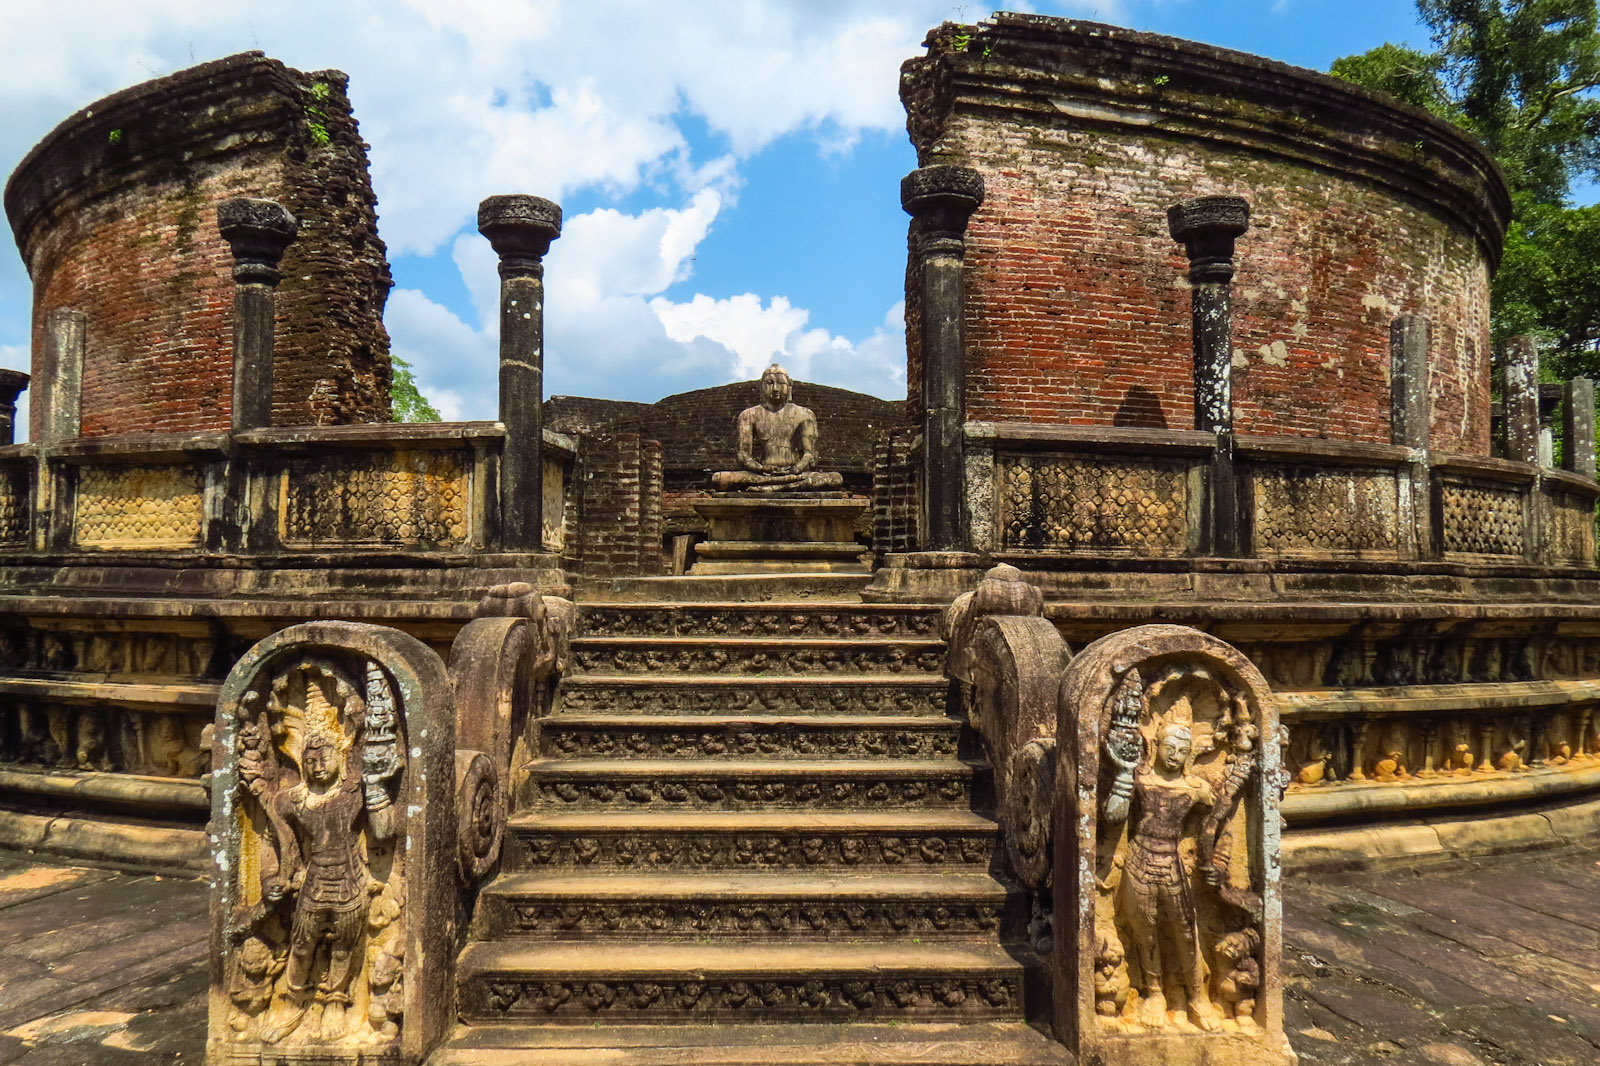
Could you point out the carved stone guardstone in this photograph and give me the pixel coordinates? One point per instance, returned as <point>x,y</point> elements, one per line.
<point>779,514</point>
<point>1168,917</point>
<point>333,835</point>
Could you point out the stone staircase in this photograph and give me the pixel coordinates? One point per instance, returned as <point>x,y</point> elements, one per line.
<point>751,835</point>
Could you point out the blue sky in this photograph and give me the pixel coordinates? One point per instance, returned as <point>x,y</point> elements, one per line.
<point>729,171</point>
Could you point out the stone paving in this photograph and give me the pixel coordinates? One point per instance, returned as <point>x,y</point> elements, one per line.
<point>1477,963</point>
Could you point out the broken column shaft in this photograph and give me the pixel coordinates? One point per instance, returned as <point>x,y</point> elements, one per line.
<point>520,229</point>
<point>258,231</point>
<point>12,382</point>
<point>940,199</point>
<point>1519,391</point>
<point>1207,228</point>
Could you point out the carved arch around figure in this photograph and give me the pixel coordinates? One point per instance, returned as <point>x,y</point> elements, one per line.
<point>382,700</point>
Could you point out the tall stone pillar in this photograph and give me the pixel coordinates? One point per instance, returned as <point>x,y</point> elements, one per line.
<point>1410,412</point>
<point>59,394</point>
<point>1519,392</point>
<point>12,382</point>
<point>1207,228</point>
<point>520,229</point>
<point>941,199</point>
<point>258,231</point>
<point>1577,426</point>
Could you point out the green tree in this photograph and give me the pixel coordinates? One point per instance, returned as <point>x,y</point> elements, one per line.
<point>1520,75</point>
<point>406,401</point>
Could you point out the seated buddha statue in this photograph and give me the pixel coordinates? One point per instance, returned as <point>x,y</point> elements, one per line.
<point>777,444</point>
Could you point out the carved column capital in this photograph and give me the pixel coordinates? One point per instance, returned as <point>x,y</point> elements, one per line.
<point>942,197</point>
<point>258,232</point>
<point>520,228</point>
<point>1207,227</point>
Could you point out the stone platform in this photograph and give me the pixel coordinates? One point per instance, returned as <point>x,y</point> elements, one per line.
<point>1494,962</point>
<point>778,533</point>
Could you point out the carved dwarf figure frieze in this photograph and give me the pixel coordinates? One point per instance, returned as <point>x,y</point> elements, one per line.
<point>1171,757</point>
<point>777,444</point>
<point>325,754</point>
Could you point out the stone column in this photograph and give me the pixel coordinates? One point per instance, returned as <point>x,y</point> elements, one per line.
<point>1410,411</point>
<point>12,382</point>
<point>941,199</point>
<point>1519,392</point>
<point>258,231</point>
<point>60,392</point>
<point>1207,228</point>
<point>1577,430</point>
<point>520,229</point>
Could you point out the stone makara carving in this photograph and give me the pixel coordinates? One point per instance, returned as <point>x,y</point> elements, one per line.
<point>318,914</point>
<point>777,444</point>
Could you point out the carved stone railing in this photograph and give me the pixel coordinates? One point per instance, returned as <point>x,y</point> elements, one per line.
<point>358,799</point>
<point>428,488</point>
<point>1036,492</point>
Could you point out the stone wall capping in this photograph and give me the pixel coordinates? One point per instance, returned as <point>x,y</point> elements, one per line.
<point>1568,481</point>
<point>1095,438</point>
<point>1436,699</point>
<point>374,435</point>
<point>141,447</point>
<point>26,450</point>
<point>1480,466</point>
<point>1320,450</point>
<point>174,697</point>
<point>1211,94</point>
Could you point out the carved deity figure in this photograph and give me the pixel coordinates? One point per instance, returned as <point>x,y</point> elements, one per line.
<point>777,444</point>
<point>1156,899</point>
<point>315,857</point>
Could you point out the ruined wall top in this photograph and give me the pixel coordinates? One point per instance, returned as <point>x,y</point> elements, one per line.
<point>114,212</point>
<point>1363,209</point>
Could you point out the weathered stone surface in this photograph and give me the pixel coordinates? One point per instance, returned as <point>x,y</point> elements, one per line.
<point>1167,909</point>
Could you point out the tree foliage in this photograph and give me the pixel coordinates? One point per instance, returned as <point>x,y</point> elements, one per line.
<point>1521,76</point>
<point>406,402</point>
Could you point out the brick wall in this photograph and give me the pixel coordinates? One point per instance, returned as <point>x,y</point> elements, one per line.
<point>619,502</point>
<point>1077,304</point>
<point>115,215</point>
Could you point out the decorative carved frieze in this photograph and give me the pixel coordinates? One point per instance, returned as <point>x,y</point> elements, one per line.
<point>1324,509</point>
<point>932,788</point>
<point>887,697</point>
<point>594,655</point>
<point>834,996</point>
<point>139,506</point>
<point>565,738</point>
<point>748,918</point>
<point>378,498</point>
<point>687,850</point>
<point>1078,503</point>
<point>692,621</point>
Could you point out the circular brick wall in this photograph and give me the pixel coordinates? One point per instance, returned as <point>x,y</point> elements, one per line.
<point>115,215</point>
<point>1077,302</point>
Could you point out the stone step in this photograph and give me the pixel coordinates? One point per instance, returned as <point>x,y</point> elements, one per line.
<point>758,656</point>
<point>826,619</point>
<point>809,903</point>
<point>945,838</point>
<point>750,783</point>
<point>625,980</point>
<point>682,694</point>
<point>623,736</point>
<point>995,1043</point>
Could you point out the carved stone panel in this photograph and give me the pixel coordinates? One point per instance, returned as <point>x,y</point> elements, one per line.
<point>1168,916</point>
<point>1481,518</point>
<point>333,834</point>
<point>15,510</point>
<point>1082,503</point>
<point>1572,528</point>
<point>1320,509</point>
<point>139,506</point>
<point>554,512</point>
<point>419,498</point>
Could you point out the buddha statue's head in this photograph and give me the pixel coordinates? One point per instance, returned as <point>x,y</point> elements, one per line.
<point>776,388</point>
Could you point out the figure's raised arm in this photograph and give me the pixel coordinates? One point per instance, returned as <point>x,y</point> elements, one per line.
<point>808,444</point>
